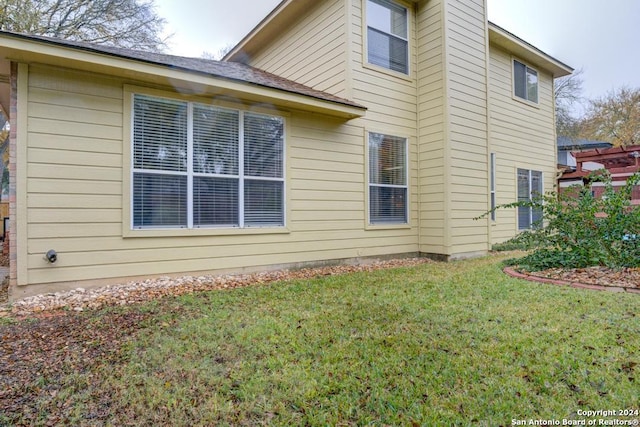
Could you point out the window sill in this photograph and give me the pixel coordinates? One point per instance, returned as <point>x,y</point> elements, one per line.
<point>526,102</point>
<point>387,71</point>
<point>373,227</point>
<point>202,232</point>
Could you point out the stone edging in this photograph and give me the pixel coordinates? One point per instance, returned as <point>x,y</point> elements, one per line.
<point>513,273</point>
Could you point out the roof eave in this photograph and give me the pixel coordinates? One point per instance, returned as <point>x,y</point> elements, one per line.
<point>267,29</point>
<point>286,12</point>
<point>579,147</point>
<point>512,43</point>
<point>26,50</point>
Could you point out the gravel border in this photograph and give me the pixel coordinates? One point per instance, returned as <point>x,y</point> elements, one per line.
<point>134,292</point>
<point>81,299</point>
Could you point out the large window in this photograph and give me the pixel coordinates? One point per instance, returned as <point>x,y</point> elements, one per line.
<point>529,185</point>
<point>387,35</point>
<point>387,179</point>
<point>196,165</point>
<point>525,82</point>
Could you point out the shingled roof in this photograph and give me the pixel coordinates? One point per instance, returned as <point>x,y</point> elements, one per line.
<point>225,70</point>
<point>578,144</point>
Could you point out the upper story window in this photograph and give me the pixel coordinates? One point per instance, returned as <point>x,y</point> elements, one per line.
<point>387,35</point>
<point>525,82</point>
<point>387,179</point>
<point>197,165</point>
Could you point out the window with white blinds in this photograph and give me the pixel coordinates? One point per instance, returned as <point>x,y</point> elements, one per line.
<point>387,35</point>
<point>387,179</point>
<point>529,186</point>
<point>263,171</point>
<point>197,165</point>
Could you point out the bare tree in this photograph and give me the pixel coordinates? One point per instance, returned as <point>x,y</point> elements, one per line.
<point>218,55</point>
<point>568,95</point>
<point>615,117</point>
<point>121,23</point>
<point>208,55</point>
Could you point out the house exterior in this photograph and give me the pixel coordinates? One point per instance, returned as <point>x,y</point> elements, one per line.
<point>337,130</point>
<point>449,90</point>
<point>567,146</point>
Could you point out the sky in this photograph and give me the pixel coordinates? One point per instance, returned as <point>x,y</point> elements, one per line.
<point>602,38</point>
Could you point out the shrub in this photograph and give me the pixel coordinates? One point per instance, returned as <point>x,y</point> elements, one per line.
<point>579,230</point>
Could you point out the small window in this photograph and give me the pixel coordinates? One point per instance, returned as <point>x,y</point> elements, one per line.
<point>387,179</point>
<point>387,35</point>
<point>525,82</point>
<point>197,165</point>
<point>529,186</point>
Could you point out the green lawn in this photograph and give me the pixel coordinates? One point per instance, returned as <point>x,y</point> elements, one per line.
<point>438,344</point>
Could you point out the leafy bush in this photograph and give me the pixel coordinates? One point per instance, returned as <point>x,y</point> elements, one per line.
<point>579,230</point>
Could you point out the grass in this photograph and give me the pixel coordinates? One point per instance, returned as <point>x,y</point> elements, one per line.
<point>438,344</point>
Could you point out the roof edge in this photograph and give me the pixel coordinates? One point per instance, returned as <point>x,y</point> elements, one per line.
<point>529,52</point>
<point>284,11</point>
<point>339,106</point>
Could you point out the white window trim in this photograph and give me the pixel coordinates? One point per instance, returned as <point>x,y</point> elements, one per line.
<point>128,230</point>
<point>513,82</point>
<point>365,43</point>
<point>529,194</point>
<point>389,225</point>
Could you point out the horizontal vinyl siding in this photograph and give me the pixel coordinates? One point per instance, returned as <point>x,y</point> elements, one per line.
<point>312,51</point>
<point>226,264</point>
<point>467,95</point>
<point>75,195</point>
<point>521,135</point>
<point>74,166</point>
<point>391,98</point>
<point>431,117</point>
<point>391,101</point>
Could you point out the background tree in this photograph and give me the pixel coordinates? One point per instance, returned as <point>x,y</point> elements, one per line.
<point>219,54</point>
<point>121,23</point>
<point>568,97</point>
<point>614,118</point>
